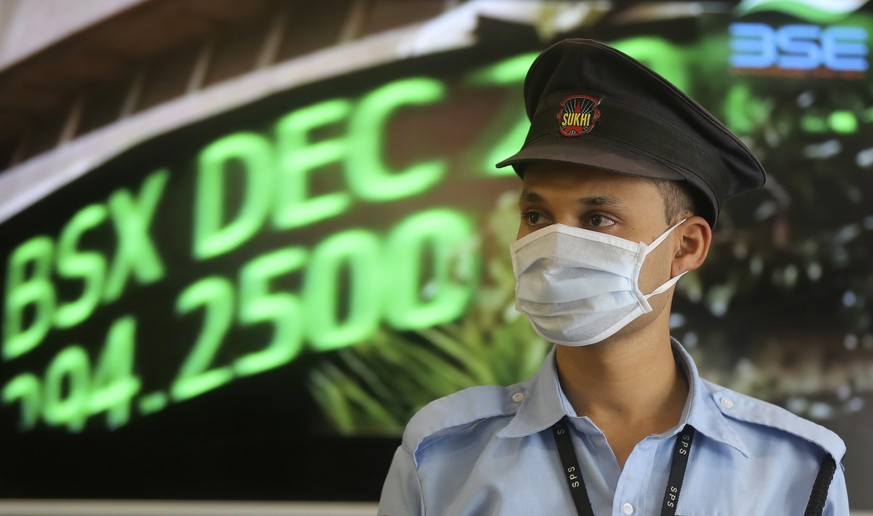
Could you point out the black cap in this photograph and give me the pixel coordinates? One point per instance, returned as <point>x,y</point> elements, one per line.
<point>590,104</point>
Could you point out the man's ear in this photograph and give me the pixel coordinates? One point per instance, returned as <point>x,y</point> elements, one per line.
<point>695,236</point>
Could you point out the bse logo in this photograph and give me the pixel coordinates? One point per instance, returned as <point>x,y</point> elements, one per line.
<point>799,47</point>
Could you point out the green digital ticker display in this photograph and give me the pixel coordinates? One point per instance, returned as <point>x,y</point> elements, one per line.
<point>227,310</point>
<point>350,280</point>
<point>222,260</point>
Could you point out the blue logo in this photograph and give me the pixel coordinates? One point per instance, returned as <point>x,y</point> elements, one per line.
<point>801,47</point>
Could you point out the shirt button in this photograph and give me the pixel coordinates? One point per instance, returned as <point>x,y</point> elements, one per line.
<point>727,403</point>
<point>627,509</point>
<point>518,397</point>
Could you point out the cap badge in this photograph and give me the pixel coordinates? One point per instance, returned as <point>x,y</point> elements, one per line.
<point>578,115</point>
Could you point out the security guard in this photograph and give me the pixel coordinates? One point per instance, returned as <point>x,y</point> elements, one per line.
<point>623,179</point>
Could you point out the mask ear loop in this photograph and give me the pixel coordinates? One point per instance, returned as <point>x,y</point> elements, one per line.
<point>666,286</point>
<point>651,247</point>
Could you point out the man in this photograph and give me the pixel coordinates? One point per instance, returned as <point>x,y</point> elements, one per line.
<point>623,179</point>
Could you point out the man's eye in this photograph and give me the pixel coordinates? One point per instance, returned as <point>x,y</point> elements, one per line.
<point>600,221</point>
<point>533,218</point>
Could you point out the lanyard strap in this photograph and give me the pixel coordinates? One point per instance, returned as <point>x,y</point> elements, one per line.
<point>577,485</point>
<point>681,450</point>
<point>571,469</point>
<point>819,494</point>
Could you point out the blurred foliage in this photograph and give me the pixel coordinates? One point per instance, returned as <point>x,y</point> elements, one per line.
<point>375,387</point>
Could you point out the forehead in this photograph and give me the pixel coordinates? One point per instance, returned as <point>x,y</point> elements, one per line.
<point>555,181</point>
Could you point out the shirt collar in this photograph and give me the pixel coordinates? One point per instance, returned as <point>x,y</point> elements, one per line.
<point>545,404</point>
<point>701,410</point>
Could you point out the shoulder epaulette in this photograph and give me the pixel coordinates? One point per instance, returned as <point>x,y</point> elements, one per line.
<point>751,410</point>
<point>442,416</point>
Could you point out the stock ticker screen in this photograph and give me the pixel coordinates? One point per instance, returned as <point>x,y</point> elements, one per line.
<point>236,309</point>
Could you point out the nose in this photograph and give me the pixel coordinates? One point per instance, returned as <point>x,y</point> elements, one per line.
<point>567,219</point>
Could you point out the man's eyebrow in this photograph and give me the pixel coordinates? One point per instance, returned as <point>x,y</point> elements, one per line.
<point>602,200</point>
<point>528,196</point>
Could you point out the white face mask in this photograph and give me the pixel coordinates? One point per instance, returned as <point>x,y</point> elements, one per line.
<point>578,287</point>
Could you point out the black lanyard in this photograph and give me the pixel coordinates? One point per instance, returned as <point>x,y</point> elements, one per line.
<point>577,485</point>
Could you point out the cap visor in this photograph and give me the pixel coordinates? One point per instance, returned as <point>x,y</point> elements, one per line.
<point>613,158</point>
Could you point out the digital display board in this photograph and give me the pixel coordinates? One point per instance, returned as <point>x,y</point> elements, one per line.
<point>236,309</point>
<point>224,259</point>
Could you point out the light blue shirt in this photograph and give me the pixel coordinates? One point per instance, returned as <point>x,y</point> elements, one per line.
<point>490,450</point>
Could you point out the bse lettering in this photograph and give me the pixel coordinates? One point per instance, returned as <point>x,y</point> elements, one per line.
<point>799,47</point>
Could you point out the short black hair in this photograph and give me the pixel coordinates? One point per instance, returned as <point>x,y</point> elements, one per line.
<point>678,199</point>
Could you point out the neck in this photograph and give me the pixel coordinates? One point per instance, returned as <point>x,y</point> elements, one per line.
<point>623,383</point>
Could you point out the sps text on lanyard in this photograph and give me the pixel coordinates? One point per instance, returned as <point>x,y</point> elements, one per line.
<point>577,485</point>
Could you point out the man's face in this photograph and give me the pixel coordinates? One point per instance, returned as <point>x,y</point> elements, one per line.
<point>624,206</point>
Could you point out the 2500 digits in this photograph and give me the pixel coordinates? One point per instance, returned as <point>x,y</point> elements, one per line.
<point>350,282</point>
<point>383,281</point>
